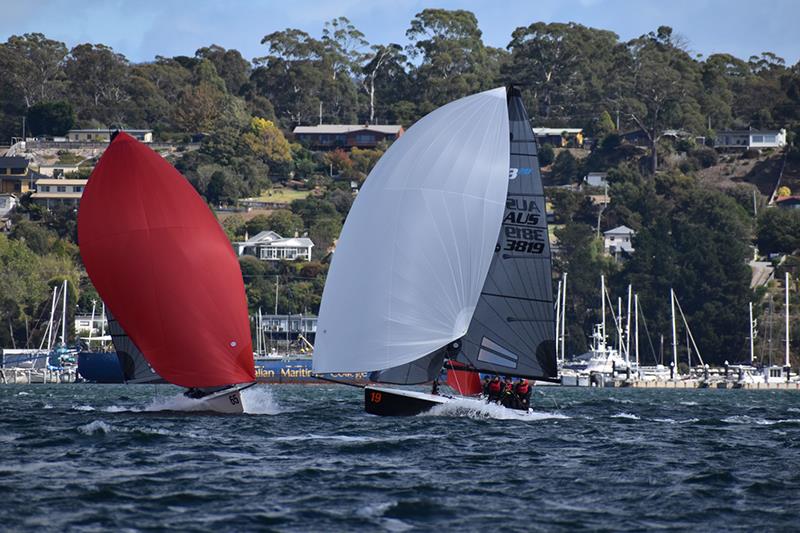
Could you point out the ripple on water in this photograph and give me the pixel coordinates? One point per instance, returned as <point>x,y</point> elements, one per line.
<point>106,457</point>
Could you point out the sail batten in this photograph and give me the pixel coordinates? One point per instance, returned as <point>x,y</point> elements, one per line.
<point>417,244</point>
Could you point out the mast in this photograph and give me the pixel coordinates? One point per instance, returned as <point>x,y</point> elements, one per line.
<point>628,330</point>
<point>603,302</point>
<point>752,354</point>
<point>276,295</point>
<point>91,324</point>
<point>636,325</point>
<point>103,320</point>
<point>674,334</point>
<point>564,317</point>
<point>786,283</point>
<point>558,318</point>
<point>64,316</point>
<point>620,346</point>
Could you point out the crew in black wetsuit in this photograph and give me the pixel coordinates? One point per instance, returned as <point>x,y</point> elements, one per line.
<point>194,393</point>
<point>435,387</point>
<point>486,383</point>
<point>507,399</point>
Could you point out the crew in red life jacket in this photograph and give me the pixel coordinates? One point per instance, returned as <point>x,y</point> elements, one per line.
<point>495,389</point>
<point>523,394</point>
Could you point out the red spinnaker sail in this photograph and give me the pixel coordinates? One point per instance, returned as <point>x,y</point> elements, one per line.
<point>467,383</point>
<point>162,264</point>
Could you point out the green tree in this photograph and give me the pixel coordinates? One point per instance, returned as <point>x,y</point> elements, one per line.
<point>32,66</point>
<point>453,61</point>
<point>51,118</point>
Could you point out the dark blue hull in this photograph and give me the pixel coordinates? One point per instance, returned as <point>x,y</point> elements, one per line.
<point>100,367</point>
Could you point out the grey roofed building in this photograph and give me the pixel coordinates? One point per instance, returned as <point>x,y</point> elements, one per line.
<point>618,241</point>
<point>269,246</point>
<point>332,136</point>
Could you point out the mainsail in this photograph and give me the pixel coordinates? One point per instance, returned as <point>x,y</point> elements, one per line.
<point>135,368</point>
<point>513,328</point>
<point>160,260</point>
<point>417,244</point>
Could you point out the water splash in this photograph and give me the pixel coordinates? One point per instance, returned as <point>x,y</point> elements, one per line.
<point>479,409</point>
<point>95,426</point>
<point>259,400</point>
<point>629,416</point>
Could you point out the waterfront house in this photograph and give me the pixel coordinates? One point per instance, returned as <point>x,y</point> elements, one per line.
<point>16,175</point>
<point>346,136</point>
<point>619,241</point>
<point>269,246</point>
<point>58,190</point>
<point>744,139</point>
<point>100,135</point>
<point>559,137</point>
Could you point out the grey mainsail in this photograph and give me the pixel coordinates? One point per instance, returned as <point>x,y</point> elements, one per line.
<point>513,328</point>
<point>135,368</point>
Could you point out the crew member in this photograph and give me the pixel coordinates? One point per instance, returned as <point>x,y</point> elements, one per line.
<point>486,383</point>
<point>435,388</point>
<point>523,394</point>
<point>495,389</point>
<point>507,398</point>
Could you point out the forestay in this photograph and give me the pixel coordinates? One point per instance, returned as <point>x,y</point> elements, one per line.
<point>417,244</point>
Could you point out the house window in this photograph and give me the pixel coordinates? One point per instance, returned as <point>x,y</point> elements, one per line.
<point>769,138</point>
<point>77,188</point>
<point>758,138</point>
<point>61,188</point>
<point>18,171</point>
<point>365,138</point>
<point>44,188</point>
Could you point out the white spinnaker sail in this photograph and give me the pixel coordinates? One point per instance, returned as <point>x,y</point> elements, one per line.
<point>416,247</point>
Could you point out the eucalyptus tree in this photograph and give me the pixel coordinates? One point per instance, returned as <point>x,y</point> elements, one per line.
<point>32,67</point>
<point>452,60</point>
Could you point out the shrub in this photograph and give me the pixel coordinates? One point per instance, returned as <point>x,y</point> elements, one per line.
<point>704,156</point>
<point>546,154</point>
<point>750,153</point>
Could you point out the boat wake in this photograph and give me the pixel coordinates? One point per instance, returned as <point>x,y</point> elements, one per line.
<point>256,401</point>
<point>478,409</point>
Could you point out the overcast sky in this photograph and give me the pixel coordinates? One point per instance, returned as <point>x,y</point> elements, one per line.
<point>142,29</point>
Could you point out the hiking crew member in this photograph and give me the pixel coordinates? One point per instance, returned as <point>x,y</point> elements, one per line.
<point>486,382</point>
<point>508,393</point>
<point>495,389</point>
<point>523,394</point>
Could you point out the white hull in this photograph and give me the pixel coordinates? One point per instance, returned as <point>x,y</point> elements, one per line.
<point>226,401</point>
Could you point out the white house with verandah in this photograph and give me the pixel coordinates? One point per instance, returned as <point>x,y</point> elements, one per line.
<point>750,139</point>
<point>269,246</point>
<point>619,241</point>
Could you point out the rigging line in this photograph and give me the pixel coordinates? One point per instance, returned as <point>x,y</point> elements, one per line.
<point>647,331</point>
<point>317,376</point>
<point>540,300</point>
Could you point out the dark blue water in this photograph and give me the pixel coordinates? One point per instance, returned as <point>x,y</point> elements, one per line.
<point>93,457</point>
